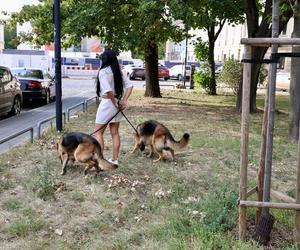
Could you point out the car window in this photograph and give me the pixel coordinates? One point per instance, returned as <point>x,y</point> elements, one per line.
<point>5,76</point>
<point>162,67</point>
<point>28,73</point>
<point>187,67</point>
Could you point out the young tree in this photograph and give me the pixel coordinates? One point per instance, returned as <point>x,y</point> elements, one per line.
<point>258,16</point>
<point>294,116</point>
<point>210,15</point>
<point>123,24</point>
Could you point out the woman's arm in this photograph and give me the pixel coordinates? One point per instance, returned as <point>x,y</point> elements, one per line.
<point>111,96</point>
<point>123,102</point>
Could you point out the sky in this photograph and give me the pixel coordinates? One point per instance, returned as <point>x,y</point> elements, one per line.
<point>10,5</point>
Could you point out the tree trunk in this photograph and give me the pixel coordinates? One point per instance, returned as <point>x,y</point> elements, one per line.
<point>212,89</point>
<point>294,116</point>
<point>257,53</point>
<point>151,70</point>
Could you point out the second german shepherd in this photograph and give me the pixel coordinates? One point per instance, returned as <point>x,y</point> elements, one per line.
<point>158,137</point>
<point>83,148</point>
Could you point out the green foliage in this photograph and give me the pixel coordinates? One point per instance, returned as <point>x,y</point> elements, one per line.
<point>25,225</point>
<point>10,37</point>
<point>263,73</point>
<point>201,50</point>
<point>202,77</point>
<point>232,74</point>
<point>43,183</point>
<point>203,222</point>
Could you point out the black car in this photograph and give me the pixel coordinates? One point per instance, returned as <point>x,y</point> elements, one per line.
<point>36,84</point>
<point>10,93</point>
<point>137,72</point>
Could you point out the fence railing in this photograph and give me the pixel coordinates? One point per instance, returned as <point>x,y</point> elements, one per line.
<point>19,133</point>
<point>66,118</point>
<point>40,123</point>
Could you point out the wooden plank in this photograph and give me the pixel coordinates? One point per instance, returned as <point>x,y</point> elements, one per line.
<point>244,141</point>
<point>252,191</point>
<point>268,41</point>
<point>278,205</point>
<point>282,196</point>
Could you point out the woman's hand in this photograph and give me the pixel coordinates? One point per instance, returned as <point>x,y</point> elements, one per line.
<point>122,105</point>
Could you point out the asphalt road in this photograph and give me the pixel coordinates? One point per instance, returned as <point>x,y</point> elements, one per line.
<point>74,91</point>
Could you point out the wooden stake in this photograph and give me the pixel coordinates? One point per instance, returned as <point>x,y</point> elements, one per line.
<point>244,141</point>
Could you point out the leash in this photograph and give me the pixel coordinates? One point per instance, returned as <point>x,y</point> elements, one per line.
<point>105,125</point>
<point>129,122</point>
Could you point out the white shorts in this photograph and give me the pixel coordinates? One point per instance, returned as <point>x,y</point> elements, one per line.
<point>106,111</point>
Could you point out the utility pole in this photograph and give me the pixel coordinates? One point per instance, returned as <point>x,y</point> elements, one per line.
<point>185,59</point>
<point>56,8</point>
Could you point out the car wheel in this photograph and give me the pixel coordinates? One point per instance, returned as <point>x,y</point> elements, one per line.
<point>16,108</point>
<point>180,78</point>
<point>166,78</point>
<point>47,97</point>
<point>143,78</point>
<point>53,98</point>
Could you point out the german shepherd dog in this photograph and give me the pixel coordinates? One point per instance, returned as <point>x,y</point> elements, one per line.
<point>83,148</point>
<point>158,137</point>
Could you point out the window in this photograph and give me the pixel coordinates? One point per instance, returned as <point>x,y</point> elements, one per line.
<point>5,76</point>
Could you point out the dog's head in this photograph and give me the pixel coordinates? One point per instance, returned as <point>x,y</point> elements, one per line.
<point>139,142</point>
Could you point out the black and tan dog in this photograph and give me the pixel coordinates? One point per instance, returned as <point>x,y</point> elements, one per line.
<point>82,148</point>
<point>158,137</point>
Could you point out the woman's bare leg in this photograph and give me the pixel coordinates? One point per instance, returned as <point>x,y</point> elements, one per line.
<point>114,131</point>
<point>99,134</point>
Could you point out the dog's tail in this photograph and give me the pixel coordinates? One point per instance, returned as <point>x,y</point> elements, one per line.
<point>176,145</point>
<point>104,164</point>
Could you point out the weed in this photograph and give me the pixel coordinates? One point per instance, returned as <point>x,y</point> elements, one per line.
<point>42,182</point>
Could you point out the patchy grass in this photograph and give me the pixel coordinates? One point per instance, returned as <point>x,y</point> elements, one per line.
<point>186,204</point>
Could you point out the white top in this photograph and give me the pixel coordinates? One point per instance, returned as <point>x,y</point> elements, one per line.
<point>107,84</point>
<point>106,109</point>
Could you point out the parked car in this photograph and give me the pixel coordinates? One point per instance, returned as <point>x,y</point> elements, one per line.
<point>133,72</point>
<point>10,93</point>
<point>36,84</point>
<point>177,72</point>
<point>163,72</point>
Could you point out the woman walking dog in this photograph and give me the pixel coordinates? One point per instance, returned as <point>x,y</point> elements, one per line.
<point>114,90</point>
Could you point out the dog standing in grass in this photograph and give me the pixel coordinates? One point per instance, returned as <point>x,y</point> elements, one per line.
<point>83,148</point>
<point>158,137</point>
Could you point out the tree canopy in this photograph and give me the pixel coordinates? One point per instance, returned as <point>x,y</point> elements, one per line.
<point>122,24</point>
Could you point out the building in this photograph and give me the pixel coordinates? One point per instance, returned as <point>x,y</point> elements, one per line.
<point>1,37</point>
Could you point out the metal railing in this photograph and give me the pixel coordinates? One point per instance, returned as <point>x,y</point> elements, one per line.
<point>19,133</point>
<point>66,117</point>
<point>89,100</point>
<point>40,123</point>
<point>73,107</point>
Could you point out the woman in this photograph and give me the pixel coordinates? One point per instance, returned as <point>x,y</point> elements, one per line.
<point>110,87</point>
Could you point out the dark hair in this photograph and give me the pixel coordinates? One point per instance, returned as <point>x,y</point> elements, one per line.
<point>109,58</point>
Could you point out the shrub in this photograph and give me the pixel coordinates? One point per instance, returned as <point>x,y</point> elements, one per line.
<point>232,74</point>
<point>43,182</point>
<point>263,73</point>
<point>202,77</point>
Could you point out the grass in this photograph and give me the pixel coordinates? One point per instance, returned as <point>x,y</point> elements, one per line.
<point>186,204</point>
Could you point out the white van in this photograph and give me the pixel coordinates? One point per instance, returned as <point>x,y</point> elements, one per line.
<point>177,72</point>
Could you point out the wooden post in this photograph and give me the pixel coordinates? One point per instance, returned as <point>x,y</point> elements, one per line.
<point>297,212</point>
<point>261,171</point>
<point>244,141</point>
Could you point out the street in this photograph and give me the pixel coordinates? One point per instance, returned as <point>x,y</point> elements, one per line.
<point>75,90</point>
